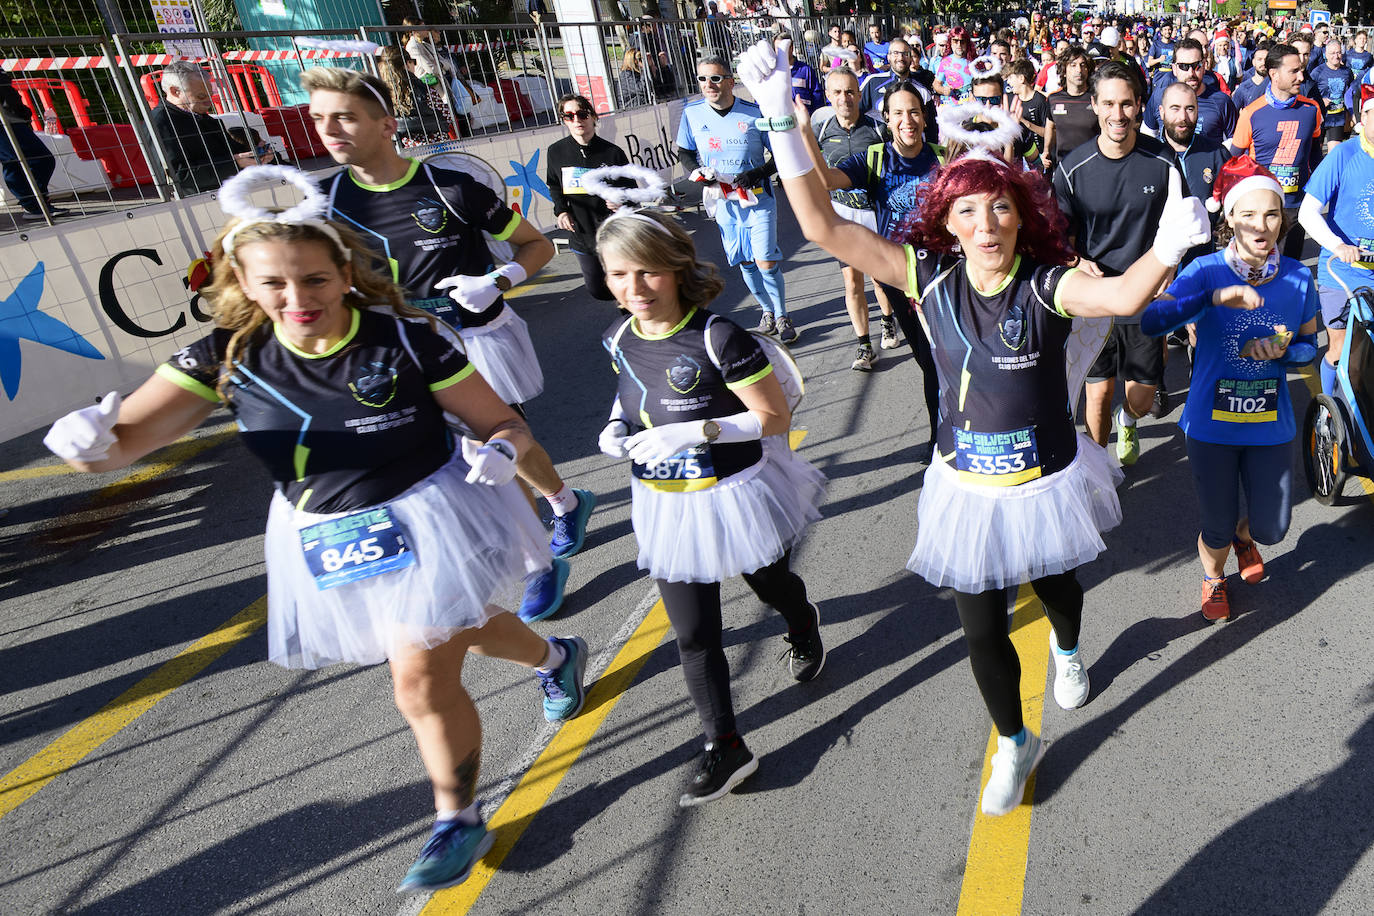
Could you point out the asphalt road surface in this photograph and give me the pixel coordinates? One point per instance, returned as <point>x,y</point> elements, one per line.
<point>156,763</point>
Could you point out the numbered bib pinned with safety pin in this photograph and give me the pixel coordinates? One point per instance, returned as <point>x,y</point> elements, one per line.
<point>355,546</point>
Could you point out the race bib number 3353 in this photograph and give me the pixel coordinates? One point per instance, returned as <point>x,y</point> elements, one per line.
<point>996,459</point>
<point>355,546</point>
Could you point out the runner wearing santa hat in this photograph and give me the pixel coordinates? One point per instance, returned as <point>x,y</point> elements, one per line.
<point>1238,418</point>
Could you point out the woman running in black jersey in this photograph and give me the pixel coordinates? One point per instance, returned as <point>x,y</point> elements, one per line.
<point>1013,494</point>
<point>385,542</point>
<point>717,492</point>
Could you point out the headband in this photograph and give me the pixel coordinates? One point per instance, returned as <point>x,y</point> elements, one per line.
<point>649,185</point>
<point>625,213</point>
<point>235,199</point>
<point>985,66</point>
<point>977,125</point>
<point>365,48</point>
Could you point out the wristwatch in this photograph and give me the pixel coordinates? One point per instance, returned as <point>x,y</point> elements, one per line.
<point>502,282</point>
<point>710,429</point>
<point>787,122</point>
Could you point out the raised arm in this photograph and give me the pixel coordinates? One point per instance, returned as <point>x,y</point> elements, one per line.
<point>765,72</point>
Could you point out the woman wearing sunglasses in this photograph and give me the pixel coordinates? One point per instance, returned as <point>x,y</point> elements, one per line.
<point>575,210</point>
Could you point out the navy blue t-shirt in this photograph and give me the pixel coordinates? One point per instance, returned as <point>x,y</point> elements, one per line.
<point>892,181</point>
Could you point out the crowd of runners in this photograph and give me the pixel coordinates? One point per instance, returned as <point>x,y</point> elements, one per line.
<point>1039,208</point>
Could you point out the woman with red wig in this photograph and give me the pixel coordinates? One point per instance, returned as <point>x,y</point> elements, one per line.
<point>1013,493</point>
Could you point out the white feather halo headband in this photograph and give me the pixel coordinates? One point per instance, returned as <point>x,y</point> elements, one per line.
<point>985,66</point>
<point>236,199</point>
<point>953,121</point>
<point>650,185</point>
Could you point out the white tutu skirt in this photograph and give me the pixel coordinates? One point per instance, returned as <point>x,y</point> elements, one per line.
<point>471,541</point>
<point>972,537</point>
<point>741,524</point>
<point>504,355</point>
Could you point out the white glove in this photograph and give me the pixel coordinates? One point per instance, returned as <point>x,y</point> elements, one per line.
<point>659,443</point>
<point>85,434</point>
<point>766,72</point>
<point>492,464</point>
<point>613,438</point>
<point>769,77</point>
<point>475,294</point>
<point>1183,224</point>
<point>702,175</point>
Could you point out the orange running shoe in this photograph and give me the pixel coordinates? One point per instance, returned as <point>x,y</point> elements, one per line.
<point>1251,564</point>
<point>1215,604</point>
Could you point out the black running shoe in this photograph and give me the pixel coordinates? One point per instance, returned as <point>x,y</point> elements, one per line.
<point>723,766</point>
<point>806,653</point>
<point>1160,408</point>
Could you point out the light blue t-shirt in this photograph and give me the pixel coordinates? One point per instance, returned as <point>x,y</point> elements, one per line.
<point>728,141</point>
<point>1344,182</point>
<point>1234,400</point>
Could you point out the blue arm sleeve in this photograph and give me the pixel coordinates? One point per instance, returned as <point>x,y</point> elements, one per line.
<point>1166,315</point>
<point>1301,351</point>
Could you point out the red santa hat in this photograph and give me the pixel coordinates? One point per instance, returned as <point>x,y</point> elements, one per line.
<point>1366,96</point>
<point>1221,33</point>
<point>1238,177</point>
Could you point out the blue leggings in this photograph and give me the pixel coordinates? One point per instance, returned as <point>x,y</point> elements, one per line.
<point>1220,472</point>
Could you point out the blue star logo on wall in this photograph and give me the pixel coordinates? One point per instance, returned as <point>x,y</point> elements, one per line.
<point>20,319</point>
<point>527,178</point>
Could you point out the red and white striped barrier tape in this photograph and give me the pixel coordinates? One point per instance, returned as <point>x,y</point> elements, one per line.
<point>33,64</point>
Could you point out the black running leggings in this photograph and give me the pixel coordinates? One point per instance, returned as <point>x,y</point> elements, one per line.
<point>694,610</point>
<point>987,628</point>
<point>920,348</point>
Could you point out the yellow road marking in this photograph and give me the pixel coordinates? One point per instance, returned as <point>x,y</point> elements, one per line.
<point>534,789</point>
<point>25,780</point>
<point>995,876</point>
<point>548,770</point>
<point>44,470</point>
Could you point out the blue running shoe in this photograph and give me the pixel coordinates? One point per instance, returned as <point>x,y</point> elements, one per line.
<point>544,593</point>
<point>564,692</point>
<point>569,531</point>
<point>447,857</point>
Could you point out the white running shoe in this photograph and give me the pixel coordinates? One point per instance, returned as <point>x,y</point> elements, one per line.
<point>1011,767</point>
<point>1070,677</point>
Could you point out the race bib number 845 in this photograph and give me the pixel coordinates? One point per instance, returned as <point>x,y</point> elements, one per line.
<point>356,546</point>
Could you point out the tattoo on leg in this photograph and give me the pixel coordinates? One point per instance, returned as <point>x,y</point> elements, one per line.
<point>466,776</point>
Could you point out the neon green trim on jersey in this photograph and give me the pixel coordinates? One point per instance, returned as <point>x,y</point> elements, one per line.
<point>911,289</point>
<point>301,456</point>
<point>343,341</point>
<point>454,379</point>
<point>398,183</point>
<point>182,380</point>
<point>634,326</point>
<point>1059,291</point>
<point>746,382</point>
<point>509,230</point>
<point>1006,281</point>
<point>305,497</point>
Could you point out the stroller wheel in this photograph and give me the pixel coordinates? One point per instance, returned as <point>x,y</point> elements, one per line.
<point>1325,453</point>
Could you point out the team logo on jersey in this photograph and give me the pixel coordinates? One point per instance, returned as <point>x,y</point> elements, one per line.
<point>430,216</point>
<point>684,374</point>
<point>713,144</point>
<point>1207,175</point>
<point>744,127</point>
<point>374,385</point>
<point>1013,328</point>
<point>1148,189</point>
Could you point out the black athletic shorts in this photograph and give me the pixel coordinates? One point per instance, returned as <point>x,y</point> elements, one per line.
<point>1129,353</point>
<point>1335,132</point>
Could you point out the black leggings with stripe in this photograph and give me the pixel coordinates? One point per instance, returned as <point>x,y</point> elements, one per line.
<point>987,629</point>
<point>694,610</point>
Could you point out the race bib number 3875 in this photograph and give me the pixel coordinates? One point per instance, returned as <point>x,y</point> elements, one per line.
<point>355,546</point>
<point>684,472</point>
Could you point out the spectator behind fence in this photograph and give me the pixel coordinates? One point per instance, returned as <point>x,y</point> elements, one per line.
<point>418,121</point>
<point>634,83</point>
<point>200,151</point>
<point>41,161</point>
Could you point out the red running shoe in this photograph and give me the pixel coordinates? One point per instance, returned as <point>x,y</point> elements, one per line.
<point>1215,604</point>
<point>1251,564</point>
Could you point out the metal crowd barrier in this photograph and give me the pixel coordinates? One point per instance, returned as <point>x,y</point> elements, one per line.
<point>94,96</point>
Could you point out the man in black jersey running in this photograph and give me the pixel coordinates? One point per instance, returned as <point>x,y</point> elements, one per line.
<point>1113,190</point>
<point>426,223</point>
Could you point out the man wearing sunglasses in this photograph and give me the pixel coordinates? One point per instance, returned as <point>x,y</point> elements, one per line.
<point>575,210</point>
<point>719,144</point>
<point>1216,113</point>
